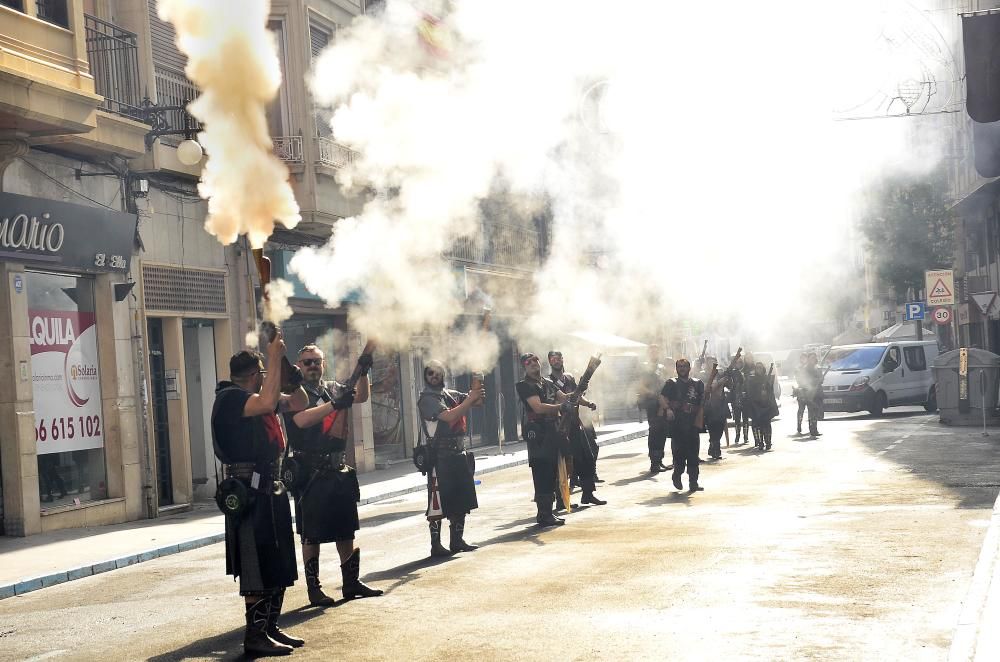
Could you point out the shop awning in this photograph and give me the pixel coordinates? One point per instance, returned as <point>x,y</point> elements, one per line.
<point>903,331</point>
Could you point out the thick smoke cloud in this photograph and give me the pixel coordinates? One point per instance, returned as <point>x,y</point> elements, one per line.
<point>233,61</point>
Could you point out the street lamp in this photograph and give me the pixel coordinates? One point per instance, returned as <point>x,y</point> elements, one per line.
<point>189,152</point>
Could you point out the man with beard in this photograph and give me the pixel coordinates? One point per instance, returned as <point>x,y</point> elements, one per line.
<point>543,404</point>
<point>684,395</point>
<point>326,503</point>
<point>584,449</point>
<point>248,440</point>
<point>648,399</point>
<point>451,485</point>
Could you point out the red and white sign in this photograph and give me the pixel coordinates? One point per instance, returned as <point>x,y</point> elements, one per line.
<point>942,316</point>
<point>66,380</point>
<point>940,287</point>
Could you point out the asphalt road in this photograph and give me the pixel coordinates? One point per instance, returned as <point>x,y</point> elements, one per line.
<point>857,546</point>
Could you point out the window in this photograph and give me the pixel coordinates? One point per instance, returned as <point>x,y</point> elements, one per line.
<point>892,360</point>
<point>65,376</point>
<point>319,39</point>
<point>915,358</point>
<point>53,11</point>
<point>277,110</point>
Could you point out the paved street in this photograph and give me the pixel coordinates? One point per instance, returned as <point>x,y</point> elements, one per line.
<point>858,546</point>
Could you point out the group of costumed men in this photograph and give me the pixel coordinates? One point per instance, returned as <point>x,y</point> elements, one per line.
<point>745,392</point>
<point>259,465</point>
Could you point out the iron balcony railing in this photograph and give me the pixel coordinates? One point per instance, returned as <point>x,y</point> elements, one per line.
<point>114,63</point>
<point>501,245</point>
<point>334,154</point>
<point>174,89</point>
<point>288,148</point>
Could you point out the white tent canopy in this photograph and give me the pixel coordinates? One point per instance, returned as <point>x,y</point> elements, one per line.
<point>851,337</point>
<point>903,331</point>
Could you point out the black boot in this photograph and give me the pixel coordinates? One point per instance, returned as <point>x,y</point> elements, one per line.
<point>591,498</point>
<point>437,549</point>
<point>317,598</point>
<point>654,467</point>
<point>666,467</point>
<point>353,586</point>
<point>273,630</point>
<point>256,642</point>
<point>545,515</point>
<point>457,544</point>
<point>677,481</point>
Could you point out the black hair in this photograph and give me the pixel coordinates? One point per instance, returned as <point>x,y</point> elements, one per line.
<point>244,363</point>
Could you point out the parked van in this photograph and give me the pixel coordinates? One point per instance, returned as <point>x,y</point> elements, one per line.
<point>873,376</point>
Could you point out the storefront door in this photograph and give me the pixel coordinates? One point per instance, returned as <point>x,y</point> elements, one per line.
<point>161,425</point>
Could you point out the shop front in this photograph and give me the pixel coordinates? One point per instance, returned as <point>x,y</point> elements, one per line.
<point>69,452</point>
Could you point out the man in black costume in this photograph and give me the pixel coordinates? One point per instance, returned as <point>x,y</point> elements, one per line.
<point>248,440</point>
<point>451,485</point>
<point>684,396</point>
<point>583,446</point>
<point>326,500</point>
<point>648,399</point>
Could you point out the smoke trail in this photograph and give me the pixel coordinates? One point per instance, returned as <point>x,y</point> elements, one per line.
<point>686,162</point>
<point>233,61</point>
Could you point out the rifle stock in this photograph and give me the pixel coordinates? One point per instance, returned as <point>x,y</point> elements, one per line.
<point>567,422</point>
<point>699,418</point>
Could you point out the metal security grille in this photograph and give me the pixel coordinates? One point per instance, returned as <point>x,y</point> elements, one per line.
<point>177,289</point>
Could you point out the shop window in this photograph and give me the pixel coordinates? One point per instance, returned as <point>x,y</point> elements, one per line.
<point>65,376</point>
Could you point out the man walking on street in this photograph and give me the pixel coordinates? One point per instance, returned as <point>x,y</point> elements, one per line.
<point>684,396</point>
<point>582,447</point>
<point>648,399</point>
<point>326,502</point>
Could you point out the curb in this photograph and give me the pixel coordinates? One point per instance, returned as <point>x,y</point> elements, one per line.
<point>971,639</point>
<point>36,583</point>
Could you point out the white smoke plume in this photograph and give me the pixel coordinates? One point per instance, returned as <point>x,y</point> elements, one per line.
<point>232,58</point>
<point>687,160</point>
<point>276,306</point>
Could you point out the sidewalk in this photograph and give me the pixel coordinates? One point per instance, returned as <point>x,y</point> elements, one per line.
<point>47,559</point>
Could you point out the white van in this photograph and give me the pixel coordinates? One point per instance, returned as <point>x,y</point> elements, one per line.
<point>874,376</point>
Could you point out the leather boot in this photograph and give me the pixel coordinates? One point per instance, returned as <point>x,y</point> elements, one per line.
<point>457,544</point>
<point>256,643</point>
<point>273,630</point>
<point>591,498</point>
<point>654,467</point>
<point>437,549</point>
<point>545,516</point>
<point>317,598</point>
<point>353,586</point>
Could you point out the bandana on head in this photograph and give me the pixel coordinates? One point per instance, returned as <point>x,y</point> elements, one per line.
<point>526,358</point>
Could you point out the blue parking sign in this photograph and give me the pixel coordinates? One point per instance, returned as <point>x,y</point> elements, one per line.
<point>914,310</point>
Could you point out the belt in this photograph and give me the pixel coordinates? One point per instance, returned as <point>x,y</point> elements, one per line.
<point>244,471</point>
<point>539,418</point>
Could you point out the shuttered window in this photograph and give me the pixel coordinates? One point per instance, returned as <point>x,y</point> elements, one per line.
<point>319,39</point>
<point>162,37</point>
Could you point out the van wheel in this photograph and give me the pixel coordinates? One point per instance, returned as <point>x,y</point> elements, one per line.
<point>931,404</point>
<point>881,402</point>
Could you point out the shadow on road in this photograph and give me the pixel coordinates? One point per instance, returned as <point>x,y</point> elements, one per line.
<point>376,520</point>
<point>670,498</point>
<point>619,456</point>
<point>645,475</point>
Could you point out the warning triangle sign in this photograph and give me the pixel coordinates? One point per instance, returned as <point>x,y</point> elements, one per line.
<point>939,290</point>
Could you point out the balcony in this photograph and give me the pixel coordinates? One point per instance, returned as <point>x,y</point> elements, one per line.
<point>500,245</point>
<point>114,62</point>
<point>174,89</point>
<point>333,154</point>
<point>45,85</point>
<point>288,148</point>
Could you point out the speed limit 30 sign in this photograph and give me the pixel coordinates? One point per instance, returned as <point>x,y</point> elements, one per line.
<point>942,315</point>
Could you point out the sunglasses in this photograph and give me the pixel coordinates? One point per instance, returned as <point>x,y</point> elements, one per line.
<point>309,362</point>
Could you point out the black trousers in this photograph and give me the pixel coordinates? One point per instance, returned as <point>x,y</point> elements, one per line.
<point>545,476</point>
<point>715,431</point>
<point>657,437</point>
<point>684,445</point>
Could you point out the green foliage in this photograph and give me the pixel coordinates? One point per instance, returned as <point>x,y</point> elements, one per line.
<point>908,229</point>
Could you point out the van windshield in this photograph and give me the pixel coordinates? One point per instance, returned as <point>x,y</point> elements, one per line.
<point>854,358</point>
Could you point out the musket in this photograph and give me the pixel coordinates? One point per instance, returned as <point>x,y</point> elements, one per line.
<point>569,422</point>
<point>268,328</point>
<point>479,376</point>
<point>699,417</point>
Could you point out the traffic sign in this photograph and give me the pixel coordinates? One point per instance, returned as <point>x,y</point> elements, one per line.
<point>942,315</point>
<point>913,310</point>
<point>940,287</point>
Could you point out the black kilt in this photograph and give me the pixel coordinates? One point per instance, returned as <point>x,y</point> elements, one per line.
<point>456,482</point>
<point>259,546</point>
<point>327,509</point>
